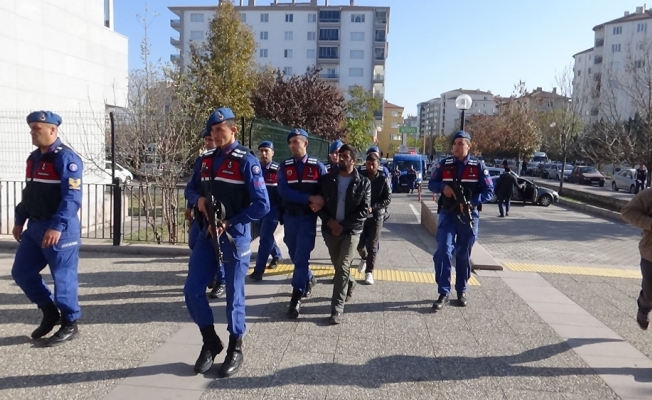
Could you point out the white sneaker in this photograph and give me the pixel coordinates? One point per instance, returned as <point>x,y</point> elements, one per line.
<point>363,265</point>
<point>369,278</point>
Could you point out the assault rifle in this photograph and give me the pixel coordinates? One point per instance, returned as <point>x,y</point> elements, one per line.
<point>214,221</point>
<point>460,205</point>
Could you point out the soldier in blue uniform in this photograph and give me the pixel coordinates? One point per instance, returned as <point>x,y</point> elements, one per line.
<point>455,232</point>
<point>298,185</point>
<point>217,284</point>
<point>333,155</point>
<point>234,177</point>
<point>269,223</point>
<point>50,202</point>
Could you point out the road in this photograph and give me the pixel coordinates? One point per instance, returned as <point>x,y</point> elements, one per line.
<point>567,334</point>
<point>597,190</point>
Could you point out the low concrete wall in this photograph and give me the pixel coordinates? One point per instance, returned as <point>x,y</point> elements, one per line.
<point>480,258</point>
<point>604,202</point>
<point>592,210</point>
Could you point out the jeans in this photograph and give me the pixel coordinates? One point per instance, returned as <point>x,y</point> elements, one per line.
<point>500,205</point>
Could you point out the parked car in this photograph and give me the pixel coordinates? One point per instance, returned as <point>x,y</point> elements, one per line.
<point>120,172</point>
<point>543,170</point>
<point>587,175</point>
<point>555,172</point>
<point>625,179</point>
<point>531,193</point>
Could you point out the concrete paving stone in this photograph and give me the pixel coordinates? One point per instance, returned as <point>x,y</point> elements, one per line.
<point>355,346</point>
<point>316,327</point>
<point>293,359</point>
<point>468,388</point>
<point>122,392</point>
<point>291,391</point>
<point>338,392</point>
<point>584,332</point>
<point>571,319</point>
<point>617,349</point>
<point>259,339</point>
<point>249,383</point>
<point>314,344</point>
<point>629,377</point>
<point>411,390</point>
<point>529,394</point>
<point>543,307</point>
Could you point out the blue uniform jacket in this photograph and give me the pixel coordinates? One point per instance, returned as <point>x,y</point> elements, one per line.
<point>68,168</point>
<point>292,195</point>
<point>485,183</point>
<point>253,179</point>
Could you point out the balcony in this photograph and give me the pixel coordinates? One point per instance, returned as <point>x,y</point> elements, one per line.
<point>597,60</point>
<point>175,24</point>
<point>329,76</point>
<point>175,42</point>
<point>379,78</point>
<point>378,114</point>
<point>599,42</point>
<point>175,58</point>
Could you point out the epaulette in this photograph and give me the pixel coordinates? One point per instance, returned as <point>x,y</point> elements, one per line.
<point>449,160</point>
<point>473,161</point>
<point>311,161</point>
<point>289,161</point>
<point>239,152</point>
<point>208,152</point>
<point>274,166</point>
<point>363,168</point>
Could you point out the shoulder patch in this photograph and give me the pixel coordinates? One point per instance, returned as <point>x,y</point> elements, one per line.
<point>486,172</point>
<point>255,169</point>
<point>72,167</point>
<point>74,184</point>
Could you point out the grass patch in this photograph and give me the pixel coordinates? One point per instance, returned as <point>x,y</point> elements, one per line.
<point>570,200</point>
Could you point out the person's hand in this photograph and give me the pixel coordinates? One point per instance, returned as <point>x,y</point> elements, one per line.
<point>315,207</point>
<point>336,228</point>
<point>318,200</point>
<point>449,192</point>
<point>17,232</point>
<point>50,238</point>
<point>187,215</point>
<point>225,226</point>
<point>201,206</point>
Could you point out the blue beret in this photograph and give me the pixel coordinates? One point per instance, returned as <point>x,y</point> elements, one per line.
<point>218,116</point>
<point>297,132</point>
<point>267,144</point>
<point>47,117</point>
<point>461,134</point>
<point>335,146</point>
<point>207,132</point>
<point>373,149</point>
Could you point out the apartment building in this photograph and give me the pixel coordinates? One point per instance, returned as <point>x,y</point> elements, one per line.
<point>428,117</point>
<point>621,52</point>
<point>347,42</point>
<point>483,103</point>
<point>389,138</point>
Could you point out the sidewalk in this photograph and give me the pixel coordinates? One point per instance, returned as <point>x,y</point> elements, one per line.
<point>523,335</point>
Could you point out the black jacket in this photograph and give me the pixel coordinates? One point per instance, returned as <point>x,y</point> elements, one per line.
<point>504,185</point>
<point>380,195</point>
<point>358,202</point>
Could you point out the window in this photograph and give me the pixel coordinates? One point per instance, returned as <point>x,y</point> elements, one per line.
<point>394,113</point>
<point>312,35</point>
<point>264,17</point>
<point>330,73</point>
<point>379,53</point>
<point>328,52</point>
<point>289,35</point>
<point>329,16</point>
<point>357,54</point>
<point>312,17</point>
<point>329,34</point>
<point>107,13</point>
<point>618,30</point>
<point>357,18</point>
<point>395,137</point>
<point>311,53</point>
<point>381,17</point>
<point>243,17</point>
<point>289,17</point>
<point>196,35</point>
<point>380,35</point>
<point>641,27</point>
<point>357,36</point>
<point>395,125</point>
<point>287,70</point>
<point>615,48</point>
<point>355,72</point>
<point>639,63</point>
<point>264,35</point>
<point>263,53</point>
<point>196,17</point>
<point>579,73</point>
<point>287,53</point>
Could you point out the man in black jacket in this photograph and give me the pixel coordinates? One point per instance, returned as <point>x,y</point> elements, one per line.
<point>347,199</point>
<point>641,178</point>
<point>503,190</point>
<point>380,199</point>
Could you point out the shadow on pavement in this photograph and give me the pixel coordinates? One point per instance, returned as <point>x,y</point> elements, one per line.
<point>375,373</point>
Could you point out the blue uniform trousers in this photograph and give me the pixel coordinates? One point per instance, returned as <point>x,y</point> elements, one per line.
<point>300,233</point>
<point>267,227</point>
<point>454,236</point>
<point>200,273</point>
<point>63,259</point>
<point>209,253</point>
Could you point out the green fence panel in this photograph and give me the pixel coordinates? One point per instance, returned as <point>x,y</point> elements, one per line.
<point>261,129</point>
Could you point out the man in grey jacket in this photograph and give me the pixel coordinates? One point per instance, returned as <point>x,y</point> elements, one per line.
<point>347,199</point>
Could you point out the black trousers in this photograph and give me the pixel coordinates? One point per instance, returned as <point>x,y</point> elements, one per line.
<point>645,297</point>
<point>369,241</point>
<point>639,186</point>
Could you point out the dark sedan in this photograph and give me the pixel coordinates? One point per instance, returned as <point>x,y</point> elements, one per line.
<point>531,193</point>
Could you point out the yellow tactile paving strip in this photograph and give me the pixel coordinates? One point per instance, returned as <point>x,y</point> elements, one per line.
<point>573,270</point>
<point>379,274</point>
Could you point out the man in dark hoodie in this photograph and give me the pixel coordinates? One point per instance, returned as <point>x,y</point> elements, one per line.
<point>503,190</point>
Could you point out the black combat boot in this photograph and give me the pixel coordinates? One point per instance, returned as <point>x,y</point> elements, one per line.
<point>211,348</point>
<point>274,263</point>
<point>441,302</point>
<point>234,358</point>
<point>51,318</point>
<point>311,284</point>
<point>256,276</point>
<point>218,291</point>
<point>643,314</point>
<point>295,305</point>
<point>67,332</point>
<point>462,300</point>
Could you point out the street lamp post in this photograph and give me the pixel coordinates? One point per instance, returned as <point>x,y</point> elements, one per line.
<point>463,102</point>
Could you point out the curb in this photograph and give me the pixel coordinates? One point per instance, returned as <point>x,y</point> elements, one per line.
<point>592,210</point>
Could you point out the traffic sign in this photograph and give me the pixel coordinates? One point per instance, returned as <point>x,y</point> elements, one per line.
<point>439,148</point>
<point>407,129</point>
